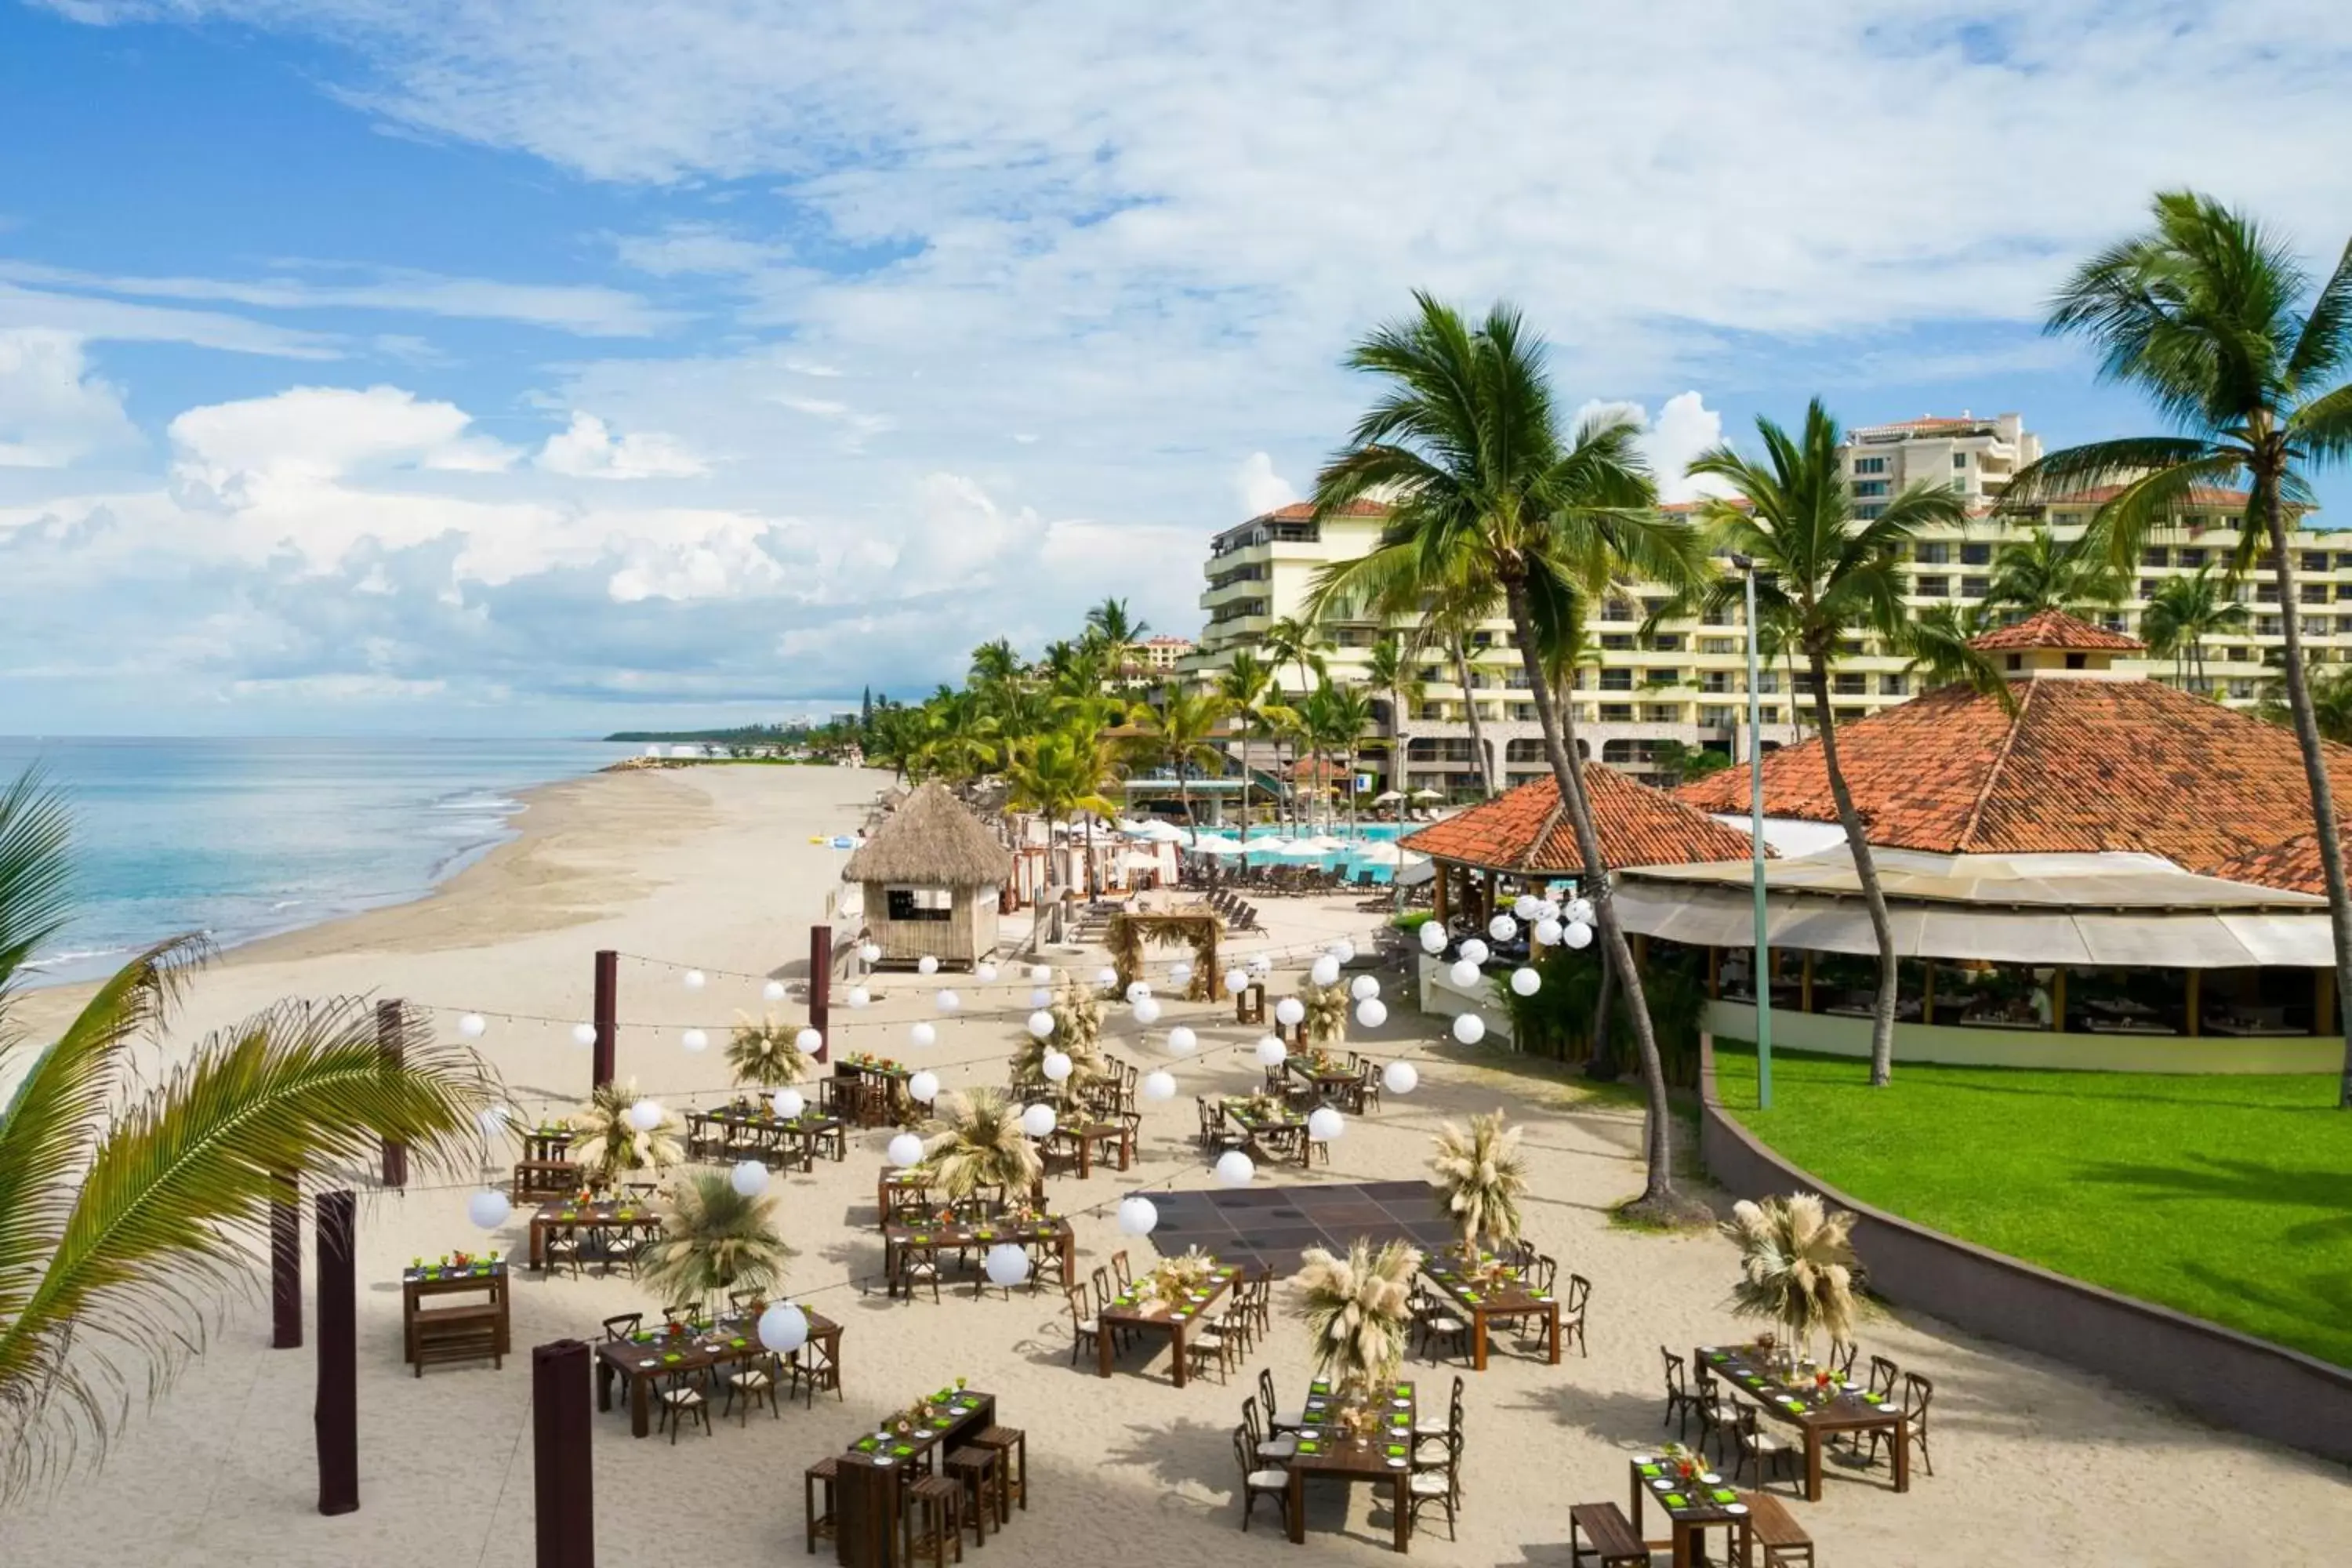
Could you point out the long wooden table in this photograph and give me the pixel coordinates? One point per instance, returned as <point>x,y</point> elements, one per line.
<point>1257,1129</point>
<point>1508,1297</point>
<point>899,1239</point>
<point>645,1359</point>
<point>1334,1081</point>
<point>1384,1458</point>
<point>603,1215</point>
<point>1742,1369</point>
<point>758,1133</point>
<point>1706,1502</point>
<point>1126,1312</point>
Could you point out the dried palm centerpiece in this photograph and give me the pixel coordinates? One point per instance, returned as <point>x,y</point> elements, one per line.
<point>1480,1178</point>
<point>1077,1013</point>
<point>1357,1314</point>
<point>1176,1280</point>
<point>1325,1022</point>
<point>611,1146</point>
<point>765,1053</point>
<point>715,1240</point>
<point>1797,1268</point>
<point>975,1140</point>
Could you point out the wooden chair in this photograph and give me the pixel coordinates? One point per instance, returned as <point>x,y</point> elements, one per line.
<point>813,1368</point>
<point>1841,1360</point>
<point>1084,1330</point>
<point>1428,1427</point>
<point>1270,1450</point>
<point>1441,1322</point>
<point>1917,1391</point>
<point>624,1326</point>
<point>1614,1543</point>
<point>974,1470</point>
<point>1260,1480</point>
<point>682,1401</point>
<point>1714,1417</point>
<point>1118,1270</point>
<point>1785,1542</point>
<point>1571,1314</point>
<point>1207,1343</point>
<point>1752,1444</point>
<point>562,1246</point>
<point>755,1383</point>
<point>1278,1420</point>
<point>1438,1486</point>
<point>1679,1400</point>
<point>917,1267</point>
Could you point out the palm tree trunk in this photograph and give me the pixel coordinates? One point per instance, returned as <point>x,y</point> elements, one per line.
<point>1398,751</point>
<point>1882,1011</point>
<point>1658,1186</point>
<point>2314,769</point>
<point>1470,713</point>
<point>1600,1019</point>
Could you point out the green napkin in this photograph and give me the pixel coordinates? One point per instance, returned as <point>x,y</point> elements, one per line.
<point>1650,1471</point>
<point>1396,1450</point>
<point>1309,1446</point>
<point>1676,1500</point>
<point>902,1449</point>
<point>735,1344</point>
<point>1723,1494</point>
<point>865,1445</point>
<point>671,1356</point>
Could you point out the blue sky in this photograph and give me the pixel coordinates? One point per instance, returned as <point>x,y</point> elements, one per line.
<point>547,367</point>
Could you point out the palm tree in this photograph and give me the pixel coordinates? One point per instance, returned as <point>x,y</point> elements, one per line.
<point>1797,1267</point>
<point>765,1053</point>
<point>714,1240</point>
<point>1485,498</point>
<point>1298,640</point>
<point>1480,1177</point>
<point>975,1140</point>
<point>2331,701</point>
<point>1392,667</point>
<point>995,663</point>
<point>127,1206</point>
<point>1182,734</point>
<point>611,1145</point>
<point>1336,717</point>
<point>2221,326</point>
<point>1826,573</point>
<point>1247,686</point>
<point>1358,1313</point>
<point>2041,573</point>
<point>2181,613</point>
<point>1116,633</point>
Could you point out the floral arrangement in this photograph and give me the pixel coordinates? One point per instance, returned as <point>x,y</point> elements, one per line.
<point>1175,1279</point>
<point>1797,1268</point>
<point>1261,1108</point>
<point>1325,1022</point>
<point>1357,1313</point>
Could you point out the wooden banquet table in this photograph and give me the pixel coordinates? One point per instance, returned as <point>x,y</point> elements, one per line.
<point>1284,1124</point>
<point>758,1133</point>
<point>1743,1370</point>
<point>1091,1136</point>
<point>1332,1081</point>
<point>899,1237</point>
<point>643,1359</point>
<point>1125,1311</point>
<point>877,1467</point>
<point>1507,1297</point>
<point>606,1213</point>
<point>1692,1507</point>
<point>1385,1456</point>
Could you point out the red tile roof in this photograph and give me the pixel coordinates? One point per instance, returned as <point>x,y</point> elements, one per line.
<point>1304,511</point>
<point>2292,865</point>
<point>2054,629</point>
<point>1525,829</point>
<point>2085,766</point>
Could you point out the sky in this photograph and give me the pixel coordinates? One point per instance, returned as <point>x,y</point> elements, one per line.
<point>553,366</point>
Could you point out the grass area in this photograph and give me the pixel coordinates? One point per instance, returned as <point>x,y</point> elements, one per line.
<point>2228,1197</point>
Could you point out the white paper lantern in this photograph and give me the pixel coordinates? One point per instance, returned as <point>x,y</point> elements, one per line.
<point>948,1001</point>
<point>906,1150</point>
<point>1463,974</point>
<point>748,1178</point>
<point>1105,975</point>
<point>859,996</point>
<point>1549,909</point>
<point>1041,1025</point>
<point>1147,1012</point>
<point>1363,988</point>
<point>1473,951</point>
<point>1272,1053</point>
<point>1236,982</point>
<point>1159,1084</point>
<point>1344,950</point>
<point>985,974</point>
<point>1323,1124</point>
<point>788,1104</point>
<point>1179,974</point>
<point>1289,1011</point>
<point>1578,935</point>
<point>774,991</point>
<point>1580,910</point>
<point>1372,1012</point>
<point>923,1088</point>
<point>927,964</point>
<point>1469,1028</point>
<point>695,980</point>
<point>1548,932</point>
<point>1235,1169</point>
<point>784,1328</point>
<point>922,1036</point>
<point>583,1034</point>
<point>1433,937</point>
<point>1137,990</point>
<point>1055,1067</point>
<point>1038,1120</point>
<point>809,1041</point>
<point>489,1208</point>
<point>471,1025</point>
<point>1041,975</point>
<point>492,1120</point>
<point>1525,982</point>
<point>1324,971</point>
<point>1040,997</point>
<point>1400,1078</point>
<point>1183,1042</point>
<point>1006,1265</point>
<point>870,952</point>
<point>695,1041</point>
<point>1502,928</point>
<point>1261,964</point>
<point>1138,1216</point>
<point>644,1115</point>
<point>1527,906</point>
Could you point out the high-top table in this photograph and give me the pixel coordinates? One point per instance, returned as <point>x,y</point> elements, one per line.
<point>1383,1457</point>
<point>877,1468</point>
<point>1816,1411</point>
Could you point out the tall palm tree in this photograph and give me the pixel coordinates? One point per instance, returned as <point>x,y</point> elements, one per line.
<point>130,1209</point>
<point>1826,573</point>
<point>2041,572</point>
<point>1247,687</point>
<point>1393,667</point>
<point>1298,641</point>
<point>2181,613</point>
<point>1182,734</point>
<point>1336,718</point>
<point>2331,701</point>
<point>1446,613</point>
<point>995,663</point>
<point>1116,633</point>
<point>1060,775</point>
<point>1486,497</point>
<point>2219,324</point>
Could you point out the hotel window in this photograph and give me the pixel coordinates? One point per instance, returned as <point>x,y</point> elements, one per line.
<point>1848,685</point>
<point>1852,715</point>
<point>2344,561</point>
<point>1616,713</point>
<point>2154,555</point>
<point>2241,689</point>
<point>1724,645</point>
<point>1975,588</point>
<point>2147,586</point>
<point>2344,590</point>
<point>1868,512</point>
<point>1616,642</point>
<point>1870,487</point>
<point>1932,587</point>
<point>2269,626</point>
<point>1894,685</point>
<point>1716,681</point>
<point>2313,593</point>
<point>2266,593</point>
<point>1768,680</point>
<point>1616,680</point>
<point>1669,642</point>
<point>1617,610</point>
<point>2314,561</point>
<point>1975,555</point>
<point>1930,554</point>
<point>2318,626</point>
<point>1870,465</point>
<point>2189,556</point>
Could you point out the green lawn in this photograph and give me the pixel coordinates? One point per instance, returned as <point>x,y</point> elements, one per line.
<point>2226,1197</point>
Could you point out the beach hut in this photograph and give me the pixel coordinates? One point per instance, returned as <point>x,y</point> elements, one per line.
<point>932,876</point>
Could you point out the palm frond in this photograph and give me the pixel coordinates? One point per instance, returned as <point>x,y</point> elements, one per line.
<point>1480,1177</point>
<point>36,878</point>
<point>714,1240</point>
<point>975,1140</point>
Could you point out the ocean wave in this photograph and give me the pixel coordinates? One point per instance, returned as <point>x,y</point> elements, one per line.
<point>475,801</point>
<point>73,956</point>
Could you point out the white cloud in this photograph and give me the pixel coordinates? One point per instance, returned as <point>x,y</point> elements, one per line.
<point>588,450</point>
<point>1259,487</point>
<point>1682,429</point>
<point>52,409</point>
<point>95,319</point>
<point>324,433</point>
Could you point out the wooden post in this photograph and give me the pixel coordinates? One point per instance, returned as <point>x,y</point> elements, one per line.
<point>2196,999</point>
<point>335,1412</point>
<point>285,1265</point>
<point>1443,881</point>
<point>1715,974</point>
<point>820,988</point>
<point>1926,991</point>
<point>2058,1000</point>
<point>1805,982</point>
<point>608,1012</point>
<point>562,1479</point>
<point>388,1043</point>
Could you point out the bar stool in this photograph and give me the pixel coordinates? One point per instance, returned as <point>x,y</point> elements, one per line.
<point>938,1503</point>
<point>975,1471</point>
<point>1012,1446</point>
<point>821,1522</point>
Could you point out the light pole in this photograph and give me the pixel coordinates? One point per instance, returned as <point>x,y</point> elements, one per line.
<point>1747,564</point>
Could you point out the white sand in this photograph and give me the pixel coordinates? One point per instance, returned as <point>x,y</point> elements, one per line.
<point>2033,1462</point>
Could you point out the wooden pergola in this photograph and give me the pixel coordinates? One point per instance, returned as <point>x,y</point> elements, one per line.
<point>1197,929</point>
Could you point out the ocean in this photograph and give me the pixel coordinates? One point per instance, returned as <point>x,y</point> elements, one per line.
<point>245,838</point>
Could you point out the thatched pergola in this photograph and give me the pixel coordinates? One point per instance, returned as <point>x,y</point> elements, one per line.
<point>932,876</point>
<point>1196,929</point>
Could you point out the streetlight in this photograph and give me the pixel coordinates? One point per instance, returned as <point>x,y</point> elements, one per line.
<point>1763,981</point>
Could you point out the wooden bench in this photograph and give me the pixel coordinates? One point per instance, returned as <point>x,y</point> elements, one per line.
<point>1605,1524</point>
<point>458,1333</point>
<point>1784,1540</point>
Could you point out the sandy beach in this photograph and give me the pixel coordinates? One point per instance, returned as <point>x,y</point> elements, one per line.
<point>714,868</point>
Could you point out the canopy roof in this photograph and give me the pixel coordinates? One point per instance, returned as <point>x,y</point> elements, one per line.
<point>932,841</point>
<point>1526,831</point>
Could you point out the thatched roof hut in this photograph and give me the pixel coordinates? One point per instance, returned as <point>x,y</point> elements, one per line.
<point>932,876</point>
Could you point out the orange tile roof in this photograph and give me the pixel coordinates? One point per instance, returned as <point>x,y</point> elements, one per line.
<point>2101,494</point>
<point>1525,830</point>
<point>2054,629</point>
<point>2293,866</point>
<point>2085,766</point>
<point>1304,511</point>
